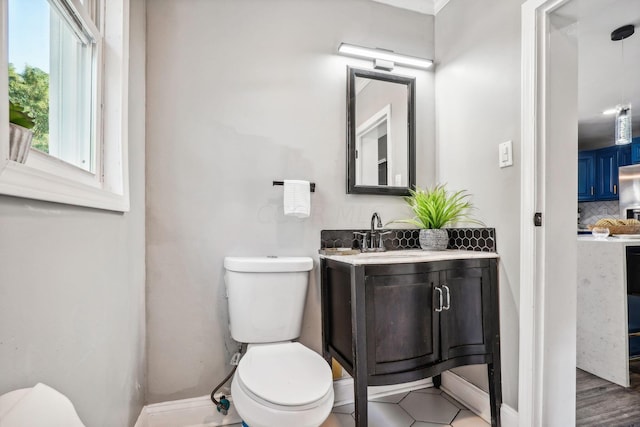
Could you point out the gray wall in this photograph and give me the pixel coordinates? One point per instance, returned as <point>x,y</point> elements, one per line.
<point>478,107</point>
<point>72,288</point>
<point>241,93</point>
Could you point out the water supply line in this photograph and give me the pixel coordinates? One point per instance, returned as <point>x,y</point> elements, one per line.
<point>223,404</point>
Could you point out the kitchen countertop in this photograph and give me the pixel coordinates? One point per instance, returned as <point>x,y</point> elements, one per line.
<point>602,328</point>
<point>408,256</point>
<point>610,239</point>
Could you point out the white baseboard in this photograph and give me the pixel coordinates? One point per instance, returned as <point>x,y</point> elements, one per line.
<point>476,399</point>
<point>509,416</point>
<point>195,412</point>
<point>200,412</point>
<point>143,419</point>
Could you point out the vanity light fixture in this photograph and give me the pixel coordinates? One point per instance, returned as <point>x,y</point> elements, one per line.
<point>623,112</point>
<point>384,59</point>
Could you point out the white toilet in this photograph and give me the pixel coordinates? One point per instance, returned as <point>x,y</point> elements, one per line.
<point>278,383</point>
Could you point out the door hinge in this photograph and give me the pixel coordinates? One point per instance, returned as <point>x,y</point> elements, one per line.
<point>537,219</point>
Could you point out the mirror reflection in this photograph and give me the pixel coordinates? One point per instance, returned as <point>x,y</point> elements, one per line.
<point>381,133</point>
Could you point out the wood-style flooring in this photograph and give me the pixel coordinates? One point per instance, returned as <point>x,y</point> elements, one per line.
<point>604,404</point>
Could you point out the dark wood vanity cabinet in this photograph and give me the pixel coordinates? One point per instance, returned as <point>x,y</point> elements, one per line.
<point>395,323</point>
<point>406,338</point>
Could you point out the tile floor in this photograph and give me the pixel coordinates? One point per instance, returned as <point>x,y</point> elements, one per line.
<point>427,407</point>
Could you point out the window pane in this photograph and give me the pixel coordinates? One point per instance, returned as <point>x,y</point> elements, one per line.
<point>29,63</point>
<point>51,76</point>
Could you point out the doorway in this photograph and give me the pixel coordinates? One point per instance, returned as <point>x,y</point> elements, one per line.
<point>548,252</point>
<point>374,150</point>
<point>548,301</point>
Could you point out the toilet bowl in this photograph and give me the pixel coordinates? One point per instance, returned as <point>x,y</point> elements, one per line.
<point>278,382</point>
<point>283,384</point>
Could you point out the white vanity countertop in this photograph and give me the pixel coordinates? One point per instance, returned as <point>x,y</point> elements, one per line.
<point>408,256</point>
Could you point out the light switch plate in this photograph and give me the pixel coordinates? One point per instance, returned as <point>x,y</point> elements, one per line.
<point>505,154</point>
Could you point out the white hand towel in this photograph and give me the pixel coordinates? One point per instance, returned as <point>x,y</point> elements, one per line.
<point>297,198</point>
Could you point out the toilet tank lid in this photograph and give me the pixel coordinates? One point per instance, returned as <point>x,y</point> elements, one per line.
<point>268,264</point>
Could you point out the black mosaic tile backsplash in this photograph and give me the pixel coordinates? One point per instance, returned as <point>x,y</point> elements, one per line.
<point>470,239</point>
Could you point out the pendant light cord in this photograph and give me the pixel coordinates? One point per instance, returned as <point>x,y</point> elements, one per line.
<point>622,102</point>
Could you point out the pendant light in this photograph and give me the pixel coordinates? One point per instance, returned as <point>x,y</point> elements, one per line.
<point>623,126</point>
<point>623,114</point>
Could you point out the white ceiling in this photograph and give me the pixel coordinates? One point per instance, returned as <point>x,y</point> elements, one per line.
<point>603,81</point>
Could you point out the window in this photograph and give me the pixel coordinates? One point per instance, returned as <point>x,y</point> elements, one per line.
<point>52,59</point>
<point>66,69</point>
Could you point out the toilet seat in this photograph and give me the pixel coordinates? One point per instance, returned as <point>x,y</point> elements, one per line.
<point>281,408</point>
<point>285,375</point>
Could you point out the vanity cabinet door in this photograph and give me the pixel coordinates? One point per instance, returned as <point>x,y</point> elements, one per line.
<point>403,328</point>
<point>466,325</point>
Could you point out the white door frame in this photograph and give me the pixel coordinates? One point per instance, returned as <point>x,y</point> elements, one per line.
<point>372,122</point>
<point>532,388</point>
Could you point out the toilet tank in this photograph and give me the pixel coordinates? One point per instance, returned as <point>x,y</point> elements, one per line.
<point>266,297</point>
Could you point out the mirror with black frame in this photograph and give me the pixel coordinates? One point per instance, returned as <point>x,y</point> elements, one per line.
<point>380,133</point>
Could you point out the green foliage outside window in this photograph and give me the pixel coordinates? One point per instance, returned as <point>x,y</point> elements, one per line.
<point>30,89</point>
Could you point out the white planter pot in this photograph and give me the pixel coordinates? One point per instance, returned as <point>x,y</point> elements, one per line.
<point>434,239</point>
<point>19,143</point>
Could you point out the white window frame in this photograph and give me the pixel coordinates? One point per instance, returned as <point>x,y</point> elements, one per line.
<point>69,142</point>
<point>44,177</point>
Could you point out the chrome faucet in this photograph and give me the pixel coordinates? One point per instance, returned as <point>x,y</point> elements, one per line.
<point>374,224</point>
<point>368,240</point>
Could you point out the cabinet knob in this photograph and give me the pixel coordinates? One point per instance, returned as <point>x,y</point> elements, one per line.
<point>592,190</point>
<point>615,189</point>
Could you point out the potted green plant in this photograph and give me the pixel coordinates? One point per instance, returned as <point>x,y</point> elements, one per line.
<point>434,209</point>
<point>20,134</point>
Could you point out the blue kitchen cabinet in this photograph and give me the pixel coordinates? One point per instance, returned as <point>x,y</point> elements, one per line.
<point>598,171</point>
<point>635,151</point>
<point>586,176</point>
<point>607,173</point>
<point>625,154</point>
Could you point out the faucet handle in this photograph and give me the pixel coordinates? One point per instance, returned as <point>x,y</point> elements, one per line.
<point>380,234</point>
<point>362,239</point>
